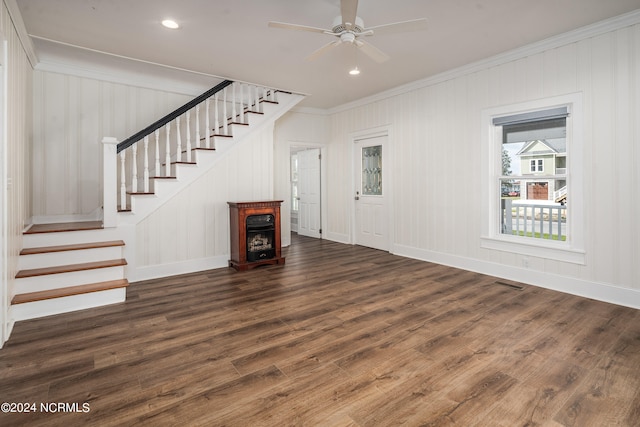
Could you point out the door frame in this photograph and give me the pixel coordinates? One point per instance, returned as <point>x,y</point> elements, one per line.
<point>293,145</point>
<point>354,137</point>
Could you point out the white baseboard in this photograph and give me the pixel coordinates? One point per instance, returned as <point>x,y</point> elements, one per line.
<point>337,237</point>
<point>184,267</point>
<point>8,330</point>
<point>570,285</point>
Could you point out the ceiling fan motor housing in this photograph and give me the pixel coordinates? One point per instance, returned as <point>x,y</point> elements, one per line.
<point>339,28</point>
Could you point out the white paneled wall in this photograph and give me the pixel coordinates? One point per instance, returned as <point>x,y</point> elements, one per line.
<point>71,116</point>
<point>435,140</point>
<point>17,175</point>
<point>191,231</point>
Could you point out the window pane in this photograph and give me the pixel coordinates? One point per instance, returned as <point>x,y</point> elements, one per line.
<point>532,195</point>
<point>372,171</point>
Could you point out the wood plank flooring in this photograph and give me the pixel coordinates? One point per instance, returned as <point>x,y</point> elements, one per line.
<point>339,336</point>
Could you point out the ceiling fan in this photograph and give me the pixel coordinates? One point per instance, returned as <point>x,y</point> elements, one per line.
<point>349,28</point>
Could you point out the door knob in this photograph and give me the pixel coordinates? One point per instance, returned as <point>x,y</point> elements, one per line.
<point>357,195</point>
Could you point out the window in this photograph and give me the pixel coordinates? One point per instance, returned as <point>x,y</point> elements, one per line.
<point>536,165</point>
<point>532,179</point>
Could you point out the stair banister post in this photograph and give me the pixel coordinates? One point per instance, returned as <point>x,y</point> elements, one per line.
<point>179,139</point>
<point>207,124</point>
<point>234,100</point>
<point>145,173</point>
<point>110,181</point>
<point>198,126</point>
<point>188,132</point>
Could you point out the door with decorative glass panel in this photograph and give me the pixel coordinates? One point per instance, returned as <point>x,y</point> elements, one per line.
<point>371,211</point>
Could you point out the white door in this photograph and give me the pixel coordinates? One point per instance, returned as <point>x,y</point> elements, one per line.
<point>309,223</point>
<point>371,211</point>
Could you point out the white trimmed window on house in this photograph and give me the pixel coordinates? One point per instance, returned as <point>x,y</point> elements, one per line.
<point>533,179</point>
<point>536,165</point>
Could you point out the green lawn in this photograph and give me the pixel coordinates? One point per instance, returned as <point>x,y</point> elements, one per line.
<point>538,236</point>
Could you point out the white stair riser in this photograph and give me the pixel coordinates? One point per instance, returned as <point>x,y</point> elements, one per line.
<point>52,259</point>
<point>70,237</point>
<point>32,310</point>
<point>75,278</point>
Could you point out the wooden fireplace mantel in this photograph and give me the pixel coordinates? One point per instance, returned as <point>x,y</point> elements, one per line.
<point>238,214</point>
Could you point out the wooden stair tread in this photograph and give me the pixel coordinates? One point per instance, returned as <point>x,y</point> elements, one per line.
<point>64,226</point>
<point>75,247</point>
<point>69,291</point>
<point>71,268</point>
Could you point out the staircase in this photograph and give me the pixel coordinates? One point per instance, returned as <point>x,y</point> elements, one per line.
<point>73,266</point>
<point>66,267</point>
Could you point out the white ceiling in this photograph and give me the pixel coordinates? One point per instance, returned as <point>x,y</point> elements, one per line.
<point>230,38</point>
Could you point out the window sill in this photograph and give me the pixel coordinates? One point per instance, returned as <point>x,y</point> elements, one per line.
<point>539,249</point>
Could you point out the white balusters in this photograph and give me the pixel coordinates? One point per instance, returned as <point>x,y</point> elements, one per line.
<point>215,114</point>
<point>157,165</point>
<point>123,181</point>
<point>198,126</point>
<point>206,124</point>
<point>242,116</point>
<point>234,114</point>
<point>145,173</point>
<point>188,136</point>
<point>179,140</point>
<point>225,118</point>
<point>167,155</point>
<point>243,96</point>
<point>255,102</point>
<point>134,169</point>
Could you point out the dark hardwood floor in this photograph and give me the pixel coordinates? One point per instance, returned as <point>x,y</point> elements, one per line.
<point>339,336</point>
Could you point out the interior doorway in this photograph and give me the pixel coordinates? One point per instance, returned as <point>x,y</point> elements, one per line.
<point>306,191</point>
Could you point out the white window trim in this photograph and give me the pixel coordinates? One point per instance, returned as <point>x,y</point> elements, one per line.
<point>571,250</point>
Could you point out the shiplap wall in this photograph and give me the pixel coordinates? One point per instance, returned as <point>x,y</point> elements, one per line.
<point>19,73</point>
<point>71,116</point>
<point>435,141</point>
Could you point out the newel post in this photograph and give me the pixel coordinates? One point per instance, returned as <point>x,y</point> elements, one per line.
<point>110,181</point>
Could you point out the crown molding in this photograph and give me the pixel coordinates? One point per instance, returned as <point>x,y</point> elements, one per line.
<point>21,30</point>
<point>593,30</point>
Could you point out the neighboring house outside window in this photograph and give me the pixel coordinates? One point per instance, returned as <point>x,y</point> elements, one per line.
<point>531,200</point>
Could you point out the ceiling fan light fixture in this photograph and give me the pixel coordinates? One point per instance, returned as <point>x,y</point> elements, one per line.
<point>354,71</point>
<point>171,24</point>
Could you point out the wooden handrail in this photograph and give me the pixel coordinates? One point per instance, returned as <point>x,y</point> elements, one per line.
<point>166,119</point>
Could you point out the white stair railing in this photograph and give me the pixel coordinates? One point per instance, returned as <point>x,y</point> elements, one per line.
<point>227,103</point>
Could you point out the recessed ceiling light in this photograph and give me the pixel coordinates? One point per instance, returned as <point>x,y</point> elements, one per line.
<point>170,23</point>
<point>354,72</point>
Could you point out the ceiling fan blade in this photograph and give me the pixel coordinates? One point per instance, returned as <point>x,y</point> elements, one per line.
<point>286,26</point>
<point>397,27</point>
<point>348,10</point>
<point>372,51</point>
<point>323,50</point>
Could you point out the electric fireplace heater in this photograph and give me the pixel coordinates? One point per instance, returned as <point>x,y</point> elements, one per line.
<point>255,234</point>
